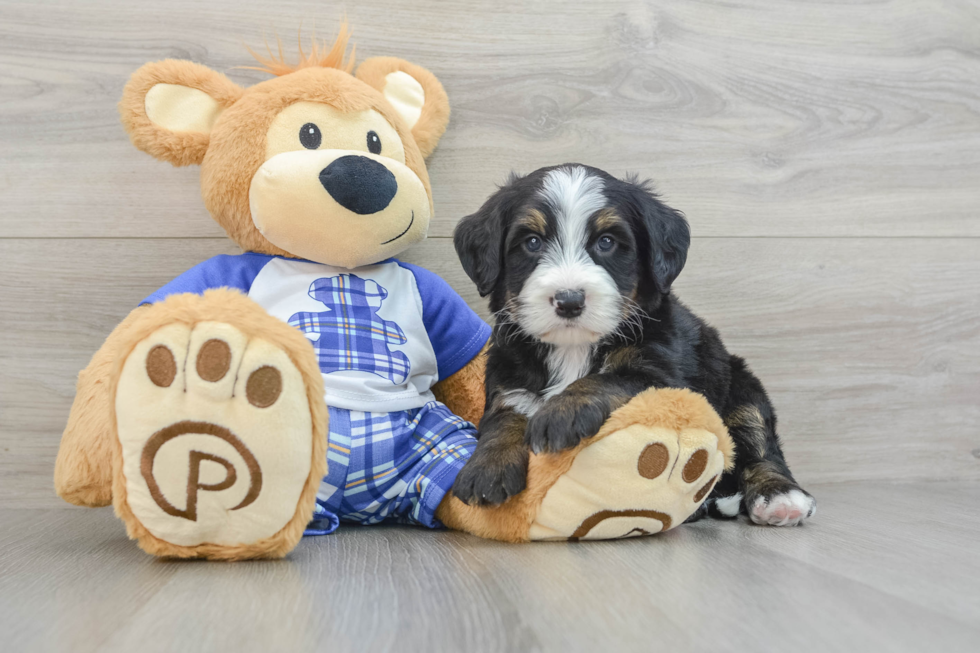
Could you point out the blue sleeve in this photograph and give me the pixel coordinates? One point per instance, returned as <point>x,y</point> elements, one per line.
<point>457,333</point>
<point>223,271</point>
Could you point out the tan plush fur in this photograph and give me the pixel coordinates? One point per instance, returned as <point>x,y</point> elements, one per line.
<point>463,391</point>
<point>510,522</point>
<point>179,148</point>
<point>229,306</point>
<point>435,114</point>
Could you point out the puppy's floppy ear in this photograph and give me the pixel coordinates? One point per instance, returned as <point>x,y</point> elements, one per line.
<point>414,93</point>
<point>668,236</point>
<point>169,107</point>
<point>479,238</point>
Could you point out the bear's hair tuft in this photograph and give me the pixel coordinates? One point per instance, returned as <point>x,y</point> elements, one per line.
<point>319,56</point>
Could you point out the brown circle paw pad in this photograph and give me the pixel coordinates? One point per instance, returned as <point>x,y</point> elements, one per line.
<point>160,366</point>
<point>695,466</point>
<point>213,360</point>
<point>705,490</point>
<point>263,386</point>
<point>653,461</point>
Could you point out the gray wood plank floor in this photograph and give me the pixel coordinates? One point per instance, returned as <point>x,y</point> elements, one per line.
<point>827,155</point>
<point>882,568</point>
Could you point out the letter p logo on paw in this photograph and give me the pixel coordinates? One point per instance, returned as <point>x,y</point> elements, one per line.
<point>195,459</point>
<point>215,435</point>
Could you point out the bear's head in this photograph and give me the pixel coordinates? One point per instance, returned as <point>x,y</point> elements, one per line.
<point>316,163</point>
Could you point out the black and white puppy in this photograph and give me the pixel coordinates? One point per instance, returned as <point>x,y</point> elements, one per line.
<point>578,266</point>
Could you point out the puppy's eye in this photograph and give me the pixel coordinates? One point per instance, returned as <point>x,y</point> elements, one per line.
<point>605,244</point>
<point>533,244</point>
<point>374,143</point>
<point>310,136</point>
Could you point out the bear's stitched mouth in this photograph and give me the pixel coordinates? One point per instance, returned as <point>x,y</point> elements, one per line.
<point>410,223</point>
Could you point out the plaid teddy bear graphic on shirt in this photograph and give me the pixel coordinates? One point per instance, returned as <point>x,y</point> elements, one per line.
<point>351,334</point>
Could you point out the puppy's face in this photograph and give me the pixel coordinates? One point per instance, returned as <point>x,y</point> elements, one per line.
<point>569,252</point>
<point>569,261</point>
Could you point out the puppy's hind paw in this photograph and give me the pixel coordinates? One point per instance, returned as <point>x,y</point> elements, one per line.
<point>784,509</point>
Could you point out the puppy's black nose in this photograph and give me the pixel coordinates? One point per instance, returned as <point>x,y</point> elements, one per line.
<point>569,303</point>
<point>359,184</point>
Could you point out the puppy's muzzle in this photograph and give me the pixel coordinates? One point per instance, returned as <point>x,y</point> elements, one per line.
<point>359,184</point>
<point>569,303</point>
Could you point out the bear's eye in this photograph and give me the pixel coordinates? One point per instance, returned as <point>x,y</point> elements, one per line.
<point>374,143</point>
<point>310,136</point>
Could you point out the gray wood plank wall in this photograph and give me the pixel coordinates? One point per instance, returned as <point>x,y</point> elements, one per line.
<point>827,155</point>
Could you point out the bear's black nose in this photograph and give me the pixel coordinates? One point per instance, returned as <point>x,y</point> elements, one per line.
<point>359,184</point>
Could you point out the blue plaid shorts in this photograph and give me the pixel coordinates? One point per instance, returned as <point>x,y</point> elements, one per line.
<point>390,466</point>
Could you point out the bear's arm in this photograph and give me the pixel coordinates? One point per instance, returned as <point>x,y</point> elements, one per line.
<point>463,392</point>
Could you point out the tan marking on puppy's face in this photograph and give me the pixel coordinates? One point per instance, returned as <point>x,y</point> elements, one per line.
<point>329,173</point>
<point>535,221</point>
<point>607,219</point>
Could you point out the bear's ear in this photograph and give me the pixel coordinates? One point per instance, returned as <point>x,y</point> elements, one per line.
<point>415,94</point>
<point>168,108</point>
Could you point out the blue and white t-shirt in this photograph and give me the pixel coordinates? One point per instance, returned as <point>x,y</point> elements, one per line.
<point>384,334</point>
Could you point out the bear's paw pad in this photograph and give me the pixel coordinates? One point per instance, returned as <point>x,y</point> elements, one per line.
<point>636,481</point>
<point>216,435</point>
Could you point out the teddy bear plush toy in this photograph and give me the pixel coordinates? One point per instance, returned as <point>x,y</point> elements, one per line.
<point>315,378</point>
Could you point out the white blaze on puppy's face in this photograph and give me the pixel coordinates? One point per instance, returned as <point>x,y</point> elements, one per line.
<point>573,197</point>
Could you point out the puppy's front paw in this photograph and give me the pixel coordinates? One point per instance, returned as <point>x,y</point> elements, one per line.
<point>562,423</point>
<point>492,476</point>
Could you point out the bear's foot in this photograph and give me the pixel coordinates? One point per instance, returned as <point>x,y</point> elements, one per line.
<point>651,466</point>
<point>217,442</point>
<point>635,478</point>
<point>639,480</point>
